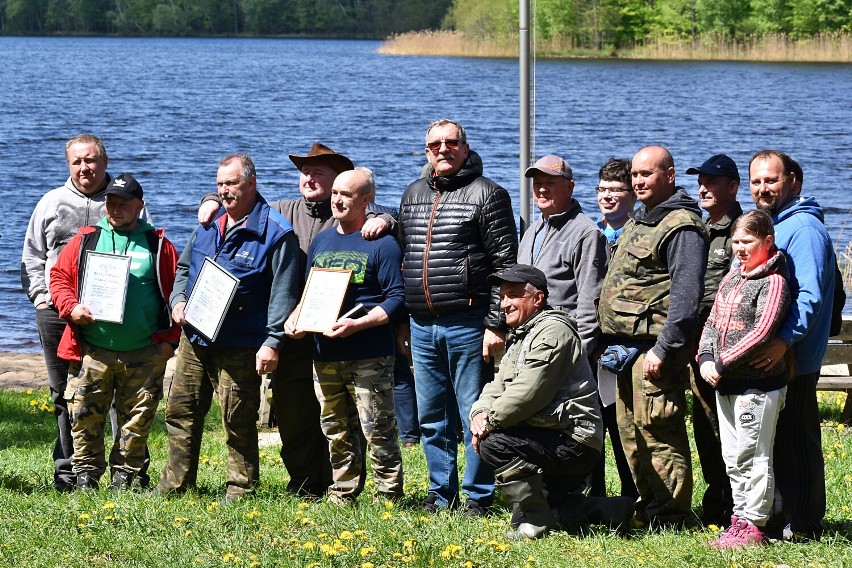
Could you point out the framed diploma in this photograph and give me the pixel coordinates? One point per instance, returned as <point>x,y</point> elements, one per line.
<point>210,299</point>
<point>104,288</point>
<point>322,298</point>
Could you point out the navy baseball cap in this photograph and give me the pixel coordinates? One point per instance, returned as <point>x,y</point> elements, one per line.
<point>520,273</point>
<point>125,186</point>
<point>718,165</point>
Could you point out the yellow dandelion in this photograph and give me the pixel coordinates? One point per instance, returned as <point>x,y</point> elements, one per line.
<point>252,514</point>
<point>713,528</point>
<point>387,515</point>
<point>841,426</point>
<point>309,545</point>
<point>29,391</point>
<point>451,551</point>
<point>83,517</point>
<point>33,403</point>
<point>227,557</point>
<point>109,505</point>
<point>368,565</point>
<point>367,550</point>
<point>254,564</point>
<point>388,504</point>
<point>187,533</point>
<point>346,535</point>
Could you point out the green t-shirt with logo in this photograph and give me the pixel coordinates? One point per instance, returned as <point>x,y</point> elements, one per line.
<point>142,303</point>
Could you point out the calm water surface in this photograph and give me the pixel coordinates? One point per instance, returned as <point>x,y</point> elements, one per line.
<point>169,108</point>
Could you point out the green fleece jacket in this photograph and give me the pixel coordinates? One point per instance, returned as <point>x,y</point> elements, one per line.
<point>545,381</point>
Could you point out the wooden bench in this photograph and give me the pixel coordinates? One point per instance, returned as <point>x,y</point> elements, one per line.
<point>835,372</point>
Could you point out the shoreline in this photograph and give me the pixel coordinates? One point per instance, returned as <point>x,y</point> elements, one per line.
<point>20,371</point>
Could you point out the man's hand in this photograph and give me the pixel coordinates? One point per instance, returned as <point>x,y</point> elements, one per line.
<point>769,354</point>
<point>651,367</point>
<point>206,212</point>
<point>709,374</point>
<point>492,343</point>
<point>343,328</point>
<point>403,339</point>
<point>81,315</point>
<point>177,313</point>
<point>290,326</point>
<point>479,429</point>
<point>373,228</point>
<point>266,360</point>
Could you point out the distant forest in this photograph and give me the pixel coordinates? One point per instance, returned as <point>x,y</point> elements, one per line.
<point>592,23</point>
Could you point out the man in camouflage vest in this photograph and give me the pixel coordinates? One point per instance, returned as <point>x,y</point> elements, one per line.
<point>649,305</point>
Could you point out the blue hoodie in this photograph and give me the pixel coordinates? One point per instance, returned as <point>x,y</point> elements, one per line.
<point>802,235</point>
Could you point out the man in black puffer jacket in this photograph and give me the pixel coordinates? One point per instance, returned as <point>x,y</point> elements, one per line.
<point>457,227</point>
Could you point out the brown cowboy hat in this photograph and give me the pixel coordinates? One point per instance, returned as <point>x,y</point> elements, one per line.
<point>322,154</point>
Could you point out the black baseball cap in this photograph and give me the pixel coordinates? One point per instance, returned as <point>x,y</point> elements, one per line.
<point>125,186</point>
<point>520,273</point>
<point>718,165</point>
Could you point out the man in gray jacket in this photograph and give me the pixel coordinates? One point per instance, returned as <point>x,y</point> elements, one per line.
<point>538,423</point>
<point>566,246</point>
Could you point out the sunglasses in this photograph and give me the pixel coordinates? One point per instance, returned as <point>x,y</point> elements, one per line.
<point>435,147</point>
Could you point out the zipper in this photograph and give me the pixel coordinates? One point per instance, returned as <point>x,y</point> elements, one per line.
<point>426,255</point>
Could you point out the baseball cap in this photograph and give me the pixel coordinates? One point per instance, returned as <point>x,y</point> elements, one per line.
<point>718,165</point>
<point>125,186</point>
<point>551,165</point>
<point>520,273</point>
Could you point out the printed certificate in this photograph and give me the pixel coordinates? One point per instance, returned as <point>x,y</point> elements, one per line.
<point>210,299</point>
<point>322,298</point>
<point>104,288</point>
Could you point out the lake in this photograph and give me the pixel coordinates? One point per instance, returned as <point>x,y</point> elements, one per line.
<point>167,109</point>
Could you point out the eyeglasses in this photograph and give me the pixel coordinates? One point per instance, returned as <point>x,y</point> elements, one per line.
<point>435,147</point>
<point>611,190</point>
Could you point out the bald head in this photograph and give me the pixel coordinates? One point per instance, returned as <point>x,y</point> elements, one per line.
<point>653,175</point>
<point>350,194</point>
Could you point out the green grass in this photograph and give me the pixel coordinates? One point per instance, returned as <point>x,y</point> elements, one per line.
<point>40,527</point>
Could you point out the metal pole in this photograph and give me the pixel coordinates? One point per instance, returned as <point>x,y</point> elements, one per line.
<point>524,63</point>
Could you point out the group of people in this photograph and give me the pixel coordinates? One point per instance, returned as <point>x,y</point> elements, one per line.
<point>597,324</point>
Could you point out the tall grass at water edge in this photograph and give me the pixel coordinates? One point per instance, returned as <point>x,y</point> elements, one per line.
<point>41,527</point>
<point>828,47</point>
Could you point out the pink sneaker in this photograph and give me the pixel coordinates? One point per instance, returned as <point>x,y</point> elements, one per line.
<point>732,532</point>
<point>746,535</point>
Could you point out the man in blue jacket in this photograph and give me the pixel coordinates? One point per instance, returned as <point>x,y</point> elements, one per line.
<point>255,244</point>
<point>775,181</point>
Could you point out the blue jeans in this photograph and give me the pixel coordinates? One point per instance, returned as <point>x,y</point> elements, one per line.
<point>449,374</point>
<point>405,401</point>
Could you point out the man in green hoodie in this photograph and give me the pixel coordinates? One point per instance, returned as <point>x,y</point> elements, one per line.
<point>122,360</point>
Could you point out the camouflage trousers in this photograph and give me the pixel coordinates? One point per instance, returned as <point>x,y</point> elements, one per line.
<point>134,379</point>
<point>199,372</point>
<point>358,395</point>
<point>651,420</point>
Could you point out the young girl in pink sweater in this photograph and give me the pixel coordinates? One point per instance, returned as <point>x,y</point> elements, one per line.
<point>750,306</point>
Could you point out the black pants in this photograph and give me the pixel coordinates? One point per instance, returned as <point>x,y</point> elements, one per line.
<point>304,448</point>
<point>50,329</point>
<point>628,486</point>
<point>565,462</point>
<point>718,503</point>
<point>799,465</point>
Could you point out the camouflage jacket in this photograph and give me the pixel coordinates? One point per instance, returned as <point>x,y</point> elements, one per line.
<point>636,293</point>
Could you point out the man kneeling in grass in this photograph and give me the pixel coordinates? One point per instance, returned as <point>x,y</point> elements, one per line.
<point>538,424</point>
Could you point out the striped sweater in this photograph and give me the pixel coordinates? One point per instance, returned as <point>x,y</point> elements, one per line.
<point>747,312</point>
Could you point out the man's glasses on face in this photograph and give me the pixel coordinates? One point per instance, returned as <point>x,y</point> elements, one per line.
<point>451,144</point>
<point>611,190</point>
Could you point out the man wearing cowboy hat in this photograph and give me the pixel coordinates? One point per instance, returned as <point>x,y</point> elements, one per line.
<point>304,449</point>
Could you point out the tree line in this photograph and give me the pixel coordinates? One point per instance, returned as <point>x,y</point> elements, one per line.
<point>331,18</point>
<point>601,24</point>
<point>596,24</point>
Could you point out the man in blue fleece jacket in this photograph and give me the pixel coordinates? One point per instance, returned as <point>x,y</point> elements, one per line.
<point>775,181</point>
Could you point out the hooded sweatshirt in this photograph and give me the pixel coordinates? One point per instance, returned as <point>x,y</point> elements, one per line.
<point>800,232</point>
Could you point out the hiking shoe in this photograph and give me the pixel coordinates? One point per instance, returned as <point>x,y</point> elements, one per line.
<point>732,531</point>
<point>790,535</point>
<point>121,481</point>
<point>474,509</point>
<point>430,504</point>
<point>86,481</point>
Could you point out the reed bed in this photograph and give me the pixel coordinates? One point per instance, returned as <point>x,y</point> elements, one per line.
<point>828,47</point>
